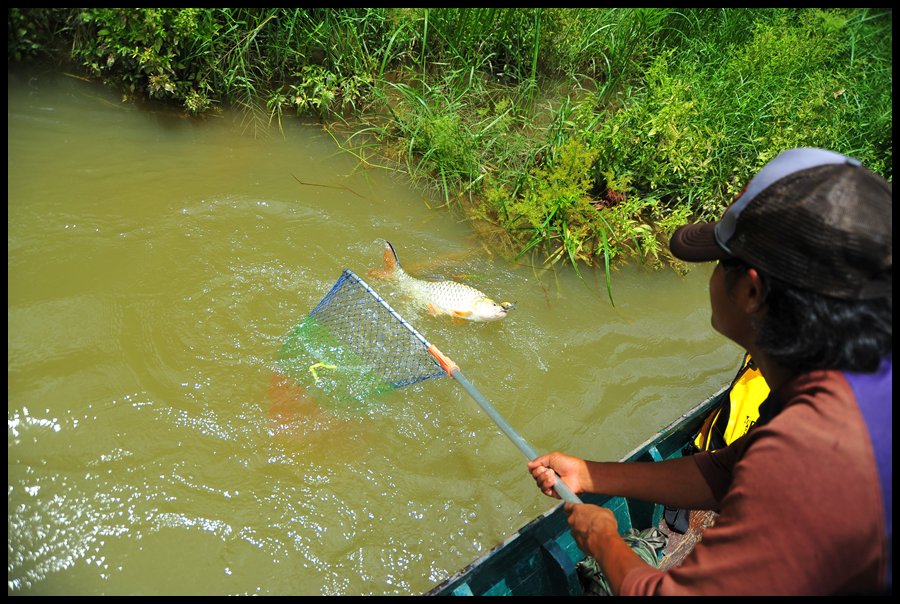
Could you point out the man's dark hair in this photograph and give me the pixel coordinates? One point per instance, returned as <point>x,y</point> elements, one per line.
<point>804,330</point>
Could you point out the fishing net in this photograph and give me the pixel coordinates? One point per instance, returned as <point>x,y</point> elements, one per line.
<point>353,346</point>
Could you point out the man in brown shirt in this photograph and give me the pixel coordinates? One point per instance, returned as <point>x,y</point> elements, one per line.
<point>804,284</point>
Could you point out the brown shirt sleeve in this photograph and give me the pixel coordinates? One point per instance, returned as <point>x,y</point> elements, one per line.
<point>800,509</point>
<point>717,467</point>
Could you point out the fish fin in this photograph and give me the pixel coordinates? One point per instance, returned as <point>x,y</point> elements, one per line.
<point>462,314</point>
<point>432,310</point>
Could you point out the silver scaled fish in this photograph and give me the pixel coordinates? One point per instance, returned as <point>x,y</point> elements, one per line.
<point>444,297</point>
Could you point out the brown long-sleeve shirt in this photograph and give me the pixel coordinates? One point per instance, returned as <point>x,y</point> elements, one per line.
<point>802,500</point>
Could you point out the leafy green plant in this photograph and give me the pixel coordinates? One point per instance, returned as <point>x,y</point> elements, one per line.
<point>33,34</point>
<point>146,49</point>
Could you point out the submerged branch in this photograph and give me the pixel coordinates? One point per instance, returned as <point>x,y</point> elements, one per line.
<point>339,187</point>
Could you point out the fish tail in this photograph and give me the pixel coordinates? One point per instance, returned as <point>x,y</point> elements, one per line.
<point>391,262</point>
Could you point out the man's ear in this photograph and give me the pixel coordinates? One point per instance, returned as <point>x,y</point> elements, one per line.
<point>754,290</point>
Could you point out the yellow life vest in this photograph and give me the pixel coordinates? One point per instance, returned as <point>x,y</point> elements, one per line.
<point>733,417</point>
<point>738,411</point>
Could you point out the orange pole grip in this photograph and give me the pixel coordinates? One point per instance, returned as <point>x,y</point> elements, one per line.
<point>444,361</point>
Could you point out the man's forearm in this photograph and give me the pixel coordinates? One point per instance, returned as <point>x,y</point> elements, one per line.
<point>676,482</point>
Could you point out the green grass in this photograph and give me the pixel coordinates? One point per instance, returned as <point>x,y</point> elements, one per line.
<point>575,136</point>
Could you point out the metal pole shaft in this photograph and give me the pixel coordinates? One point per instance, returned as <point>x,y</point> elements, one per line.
<point>560,487</point>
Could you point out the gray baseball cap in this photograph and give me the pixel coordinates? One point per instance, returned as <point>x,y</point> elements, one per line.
<point>811,217</point>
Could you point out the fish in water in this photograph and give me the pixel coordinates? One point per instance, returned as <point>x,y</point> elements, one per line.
<point>444,297</point>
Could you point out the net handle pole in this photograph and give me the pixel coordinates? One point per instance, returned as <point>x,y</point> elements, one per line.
<point>564,492</point>
<point>452,369</point>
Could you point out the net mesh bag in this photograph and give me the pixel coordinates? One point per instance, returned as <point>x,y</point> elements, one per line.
<point>352,346</point>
